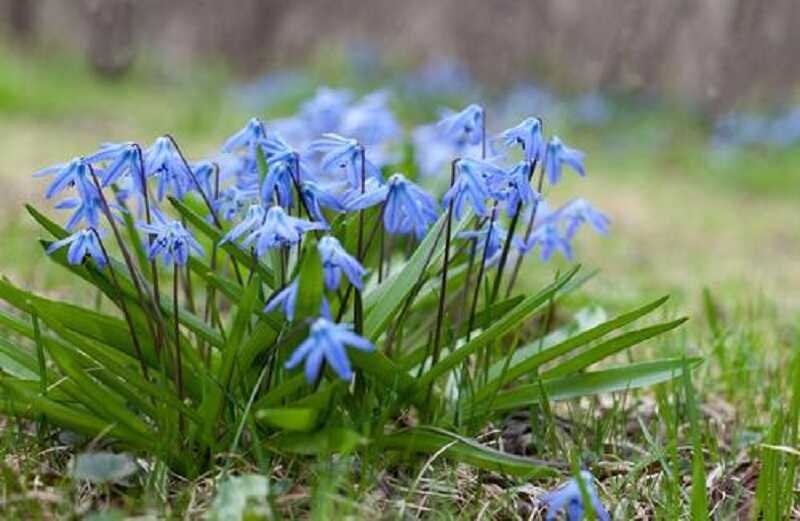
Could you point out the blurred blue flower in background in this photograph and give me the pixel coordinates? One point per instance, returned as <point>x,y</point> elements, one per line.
<point>286,299</point>
<point>579,211</point>
<point>326,343</point>
<point>464,127</point>
<point>557,155</point>
<point>323,113</point>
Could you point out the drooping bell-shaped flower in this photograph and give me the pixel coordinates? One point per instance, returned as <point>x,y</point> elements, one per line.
<point>343,154</point>
<point>579,211</point>
<point>470,185</point>
<point>279,229</point>
<point>170,240</point>
<point>557,154</point>
<point>75,173</point>
<point>317,198</point>
<point>163,161</point>
<point>327,342</point>
<point>335,261</point>
<point>465,127</point>
<point>81,244</point>
<point>527,135</point>
<point>513,188</point>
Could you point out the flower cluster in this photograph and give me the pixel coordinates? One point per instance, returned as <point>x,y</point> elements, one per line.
<point>271,184</point>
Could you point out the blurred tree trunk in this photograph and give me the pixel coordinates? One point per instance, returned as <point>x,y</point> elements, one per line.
<point>111,45</point>
<point>22,19</point>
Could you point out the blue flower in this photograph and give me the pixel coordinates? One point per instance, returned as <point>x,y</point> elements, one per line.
<point>342,153</point>
<point>568,497</point>
<point>172,241</point>
<point>316,198</point>
<point>579,211</point>
<point>232,200</point>
<point>204,173</point>
<point>496,239</point>
<point>471,185</point>
<point>408,208</point>
<point>120,159</point>
<point>326,342</point>
<point>81,244</point>
<point>465,127</point>
<point>371,120</point>
<point>279,229</point>
<point>336,260</point>
<point>514,187</point>
<point>253,219</point>
<point>75,173</point>
<point>88,207</point>
<point>528,135</point>
<point>556,155</point>
<point>246,138</point>
<point>323,113</point>
<point>287,300</point>
<point>549,237</point>
<point>163,161</point>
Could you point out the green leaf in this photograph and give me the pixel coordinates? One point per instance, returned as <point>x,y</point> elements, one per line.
<point>502,326</point>
<point>327,441</point>
<point>383,302</point>
<point>289,419</point>
<point>432,440</point>
<point>528,359</point>
<point>310,283</point>
<point>632,376</point>
<point>610,347</point>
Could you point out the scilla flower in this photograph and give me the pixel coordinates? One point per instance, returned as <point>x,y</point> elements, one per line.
<point>279,229</point>
<point>371,120</point>
<point>246,138</point>
<point>514,188</point>
<point>253,219</point>
<point>87,207</point>
<point>75,173</point>
<point>340,153</point>
<point>323,113</point>
<point>528,135</point>
<point>548,236</point>
<point>287,300</point>
<point>496,238</point>
<point>120,159</point>
<point>465,127</point>
<point>81,244</point>
<point>579,211</point>
<point>317,198</point>
<point>556,155</point>
<point>568,498</point>
<point>172,241</point>
<point>470,185</point>
<point>326,342</point>
<point>162,160</point>
<point>232,200</point>
<point>335,261</point>
<point>408,207</point>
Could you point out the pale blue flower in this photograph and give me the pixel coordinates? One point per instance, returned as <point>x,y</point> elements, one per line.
<point>408,208</point>
<point>326,343</point>
<point>163,161</point>
<point>528,135</point>
<point>253,219</point>
<point>76,173</point>
<point>88,207</point>
<point>232,201</point>
<point>340,153</point>
<point>557,155</point>
<point>465,127</point>
<point>568,498</point>
<point>335,261</point>
<point>496,239</point>
<point>323,113</point>
<point>371,121</point>
<point>246,138</point>
<point>548,236</point>
<point>120,159</point>
<point>579,211</point>
<point>171,240</point>
<point>81,244</point>
<point>279,229</point>
<point>316,198</point>
<point>514,187</point>
<point>470,185</point>
<point>204,173</point>
<point>287,300</point>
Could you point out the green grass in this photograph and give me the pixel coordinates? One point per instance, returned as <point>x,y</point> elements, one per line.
<point>684,220</point>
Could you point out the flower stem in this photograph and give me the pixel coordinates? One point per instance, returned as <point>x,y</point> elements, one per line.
<point>481,271</point>
<point>178,362</point>
<point>124,307</point>
<point>528,230</point>
<point>445,264</point>
<point>358,305</point>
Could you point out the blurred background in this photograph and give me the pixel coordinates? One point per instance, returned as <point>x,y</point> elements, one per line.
<point>688,109</point>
